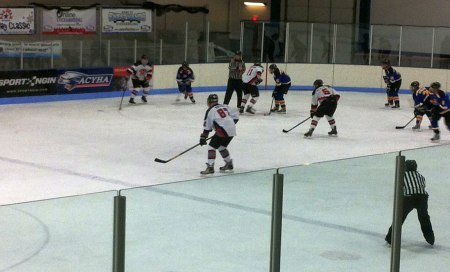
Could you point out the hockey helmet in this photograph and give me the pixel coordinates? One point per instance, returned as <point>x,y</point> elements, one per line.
<point>144,59</point>
<point>414,85</point>
<point>185,64</point>
<point>435,85</point>
<point>318,83</point>
<point>273,66</point>
<point>213,99</point>
<point>386,62</point>
<point>410,165</point>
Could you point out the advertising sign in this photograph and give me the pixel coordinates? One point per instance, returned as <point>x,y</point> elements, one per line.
<point>126,20</point>
<point>72,21</point>
<point>16,21</point>
<point>85,80</point>
<point>28,83</point>
<point>30,49</point>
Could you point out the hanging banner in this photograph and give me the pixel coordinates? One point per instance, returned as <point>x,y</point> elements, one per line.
<point>69,21</point>
<point>31,49</point>
<point>126,20</point>
<point>16,21</point>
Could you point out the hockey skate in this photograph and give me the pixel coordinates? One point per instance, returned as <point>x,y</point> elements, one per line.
<point>282,110</point>
<point>333,132</point>
<point>416,127</point>
<point>131,101</point>
<point>241,109</point>
<point>276,108</point>
<point>250,110</point>
<point>227,166</point>
<point>144,99</point>
<point>309,133</point>
<point>435,138</point>
<point>396,106</point>
<point>387,105</point>
<point>209,170</point>
<point>192,99</point>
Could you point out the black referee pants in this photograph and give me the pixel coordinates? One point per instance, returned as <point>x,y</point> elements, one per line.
<point>420,203</point>
<point>233,85</point>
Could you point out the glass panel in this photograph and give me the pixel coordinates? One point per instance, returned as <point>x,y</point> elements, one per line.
<point>213,224</point>
<point>334,211</point>
<point>441,57</point>
<point>322,43</point>
<point>274,36</point>
<point>298,42</point>
<point>65,234</point>
<point>121,50</point>
<point>416,46</point>
<point>385,44</point>
<point>352,44</point>
<point>252,40</point>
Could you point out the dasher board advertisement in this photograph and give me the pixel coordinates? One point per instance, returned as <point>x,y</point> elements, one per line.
<point>16,21</point>
<point>72,21</point>
<point>126,20</point>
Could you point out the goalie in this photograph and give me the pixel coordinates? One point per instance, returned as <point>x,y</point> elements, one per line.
<point>251,78</point>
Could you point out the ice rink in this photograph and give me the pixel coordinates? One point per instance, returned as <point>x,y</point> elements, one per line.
<point>58,149</point>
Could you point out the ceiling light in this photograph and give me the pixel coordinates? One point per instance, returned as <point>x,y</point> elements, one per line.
<point>255,4</point>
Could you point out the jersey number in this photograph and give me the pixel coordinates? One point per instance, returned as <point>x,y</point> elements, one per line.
<point>326,91</point>
<point>222,113</point>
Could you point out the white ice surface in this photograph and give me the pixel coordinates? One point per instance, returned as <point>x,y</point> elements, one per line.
<point>59,149</point>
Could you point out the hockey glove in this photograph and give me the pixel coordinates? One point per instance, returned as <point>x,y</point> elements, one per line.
<point>311,113</point>
<point>203,139</point>
<point>258,81</point>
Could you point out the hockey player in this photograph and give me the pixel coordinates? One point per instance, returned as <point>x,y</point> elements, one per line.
<point>141,74</point>
<point>422,105</point>
<point>282,85</point>
<point>185,76</point>
<point>393,80</point>
<point>323,103</point>
<point>250,80</point>
<point>223,120</point>
<point>415,197</point>
<point>441,104</point>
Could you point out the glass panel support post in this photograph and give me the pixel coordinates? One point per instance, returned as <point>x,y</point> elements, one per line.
<point>119,233</point>
<point>398,211</point>
<point>277,216</point>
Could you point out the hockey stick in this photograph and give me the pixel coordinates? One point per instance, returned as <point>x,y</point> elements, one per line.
<point>176,156</point>
<point>402,127</point>
<point>121,100</point>
<point>270,110</point>
<point>286,131</point>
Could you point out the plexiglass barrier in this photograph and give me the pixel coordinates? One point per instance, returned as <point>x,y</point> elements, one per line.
<point>193,41</point>
<point>335,217</point>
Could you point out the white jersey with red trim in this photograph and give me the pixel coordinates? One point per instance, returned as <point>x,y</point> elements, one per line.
<point>322,93</point>
<point>222,119</point>
<point>252,74</point>
<point>140,71</point>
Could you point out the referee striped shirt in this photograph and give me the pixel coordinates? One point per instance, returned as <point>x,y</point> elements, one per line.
<point>233,68</point>
<point>414,184</point>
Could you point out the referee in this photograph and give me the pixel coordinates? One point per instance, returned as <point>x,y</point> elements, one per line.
<point>236,69</point>
<point>415,197</point>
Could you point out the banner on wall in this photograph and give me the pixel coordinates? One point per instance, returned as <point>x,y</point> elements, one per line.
<point>16,21</point>
<point>126,20</point>
<point>28,83</point>
<point>85,80</point>
<point>30,49</point>
<point>69,21</point>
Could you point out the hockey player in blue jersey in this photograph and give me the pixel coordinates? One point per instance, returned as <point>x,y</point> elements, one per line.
<point>393,80</point>
<point>422,105</point>
<point>282,85</point>
<point>185,76</point>
<point>441,104</point>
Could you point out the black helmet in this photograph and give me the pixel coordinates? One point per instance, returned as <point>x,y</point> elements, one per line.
<point>435,85</point>
<point>213,98</point>
<point>185,64</point>
<point>411,165</point>
<point>144,56</point>
<point>386,61</point>
<point>415,84</point>
<point>318,83</point>
<point>257,64</point>
<point>273,66</point>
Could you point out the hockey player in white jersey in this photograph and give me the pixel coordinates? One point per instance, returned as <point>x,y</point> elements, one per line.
<point>223,120</point>
<point>323,103</point>
<point>250,79</point>
<point>141,74</point>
